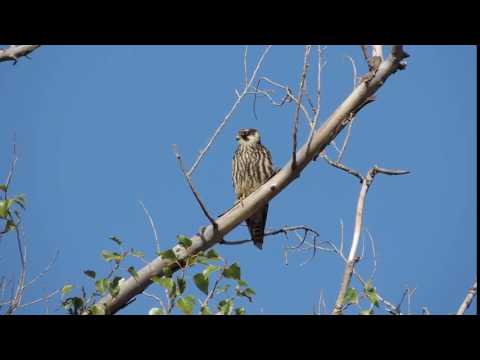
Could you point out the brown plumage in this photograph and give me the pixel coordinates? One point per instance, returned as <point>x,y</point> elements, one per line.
<point>251,168</point>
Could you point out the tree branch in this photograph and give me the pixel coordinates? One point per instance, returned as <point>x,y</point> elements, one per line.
<point>468,299</point>
<point>209,236</point>
<point>192,188</point>
<point>352,257</point>
<point>14,52</point>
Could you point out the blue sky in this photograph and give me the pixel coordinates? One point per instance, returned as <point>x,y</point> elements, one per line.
<point>95,126</point>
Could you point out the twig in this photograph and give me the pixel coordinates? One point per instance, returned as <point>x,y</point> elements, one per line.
<point>44,298</point>
<point>192,188</point>
<point>342,167</point>
<point>16,300</point>
<point>283,230</point>
<point>472,292</point>
<point>155,297</point>
<point>14,52</point>
<point>230,113</point>
<point>288,96</point>
<point>301,91</point>
<point>45,271</point>
<point>372,242</point>
<point>212,292</point>
<point>245,71</point>
<point>13,164</point>
<point>317,107</point>
<point>152,224</point>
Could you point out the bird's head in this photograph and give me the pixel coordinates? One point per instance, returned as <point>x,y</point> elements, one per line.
<point>248,137</point>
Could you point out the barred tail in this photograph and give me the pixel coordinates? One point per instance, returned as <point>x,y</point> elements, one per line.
<point>256,226</point>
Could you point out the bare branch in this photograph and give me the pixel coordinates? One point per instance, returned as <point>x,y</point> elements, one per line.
<point>372,242</point>
<point>245,71</point>
<point>317,107</point>
<point>342,167</point>
<point>352,257</point>
<point>14,52</point>
<point>283,230</point>
<point>192,188</point>
<point>230,113</point>
<point>11,172</point>
<point>152,224</point>
<point>301,92</point>
<point>45,271</point>
<point>288,97</point>
<point>212,292</point>
<point>472,292</point>
<point>44,298</point>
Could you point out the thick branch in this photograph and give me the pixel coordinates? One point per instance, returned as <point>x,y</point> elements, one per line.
<point>208,236</point>
<point>468,299</point>
<point>14,52</point>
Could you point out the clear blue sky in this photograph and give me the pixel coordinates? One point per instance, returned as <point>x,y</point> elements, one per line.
<point>95,127</point>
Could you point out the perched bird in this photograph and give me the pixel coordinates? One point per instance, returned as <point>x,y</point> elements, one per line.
<point>251,168</point>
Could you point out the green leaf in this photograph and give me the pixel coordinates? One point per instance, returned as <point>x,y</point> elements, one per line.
<point>186,304</point>
<point>164,282</point>
<point>208,270</point>
<point>212,255</point>
<point>9,226</point>
<point>66,289</point>
<point>96,310</point>
<point>232,272</point>
<point>116,239</point>
<point>242,283</point>
<point>222,289</point>
<point>169,255</point>
<point>155,311</point>
<point>181,286</point>
<point>205,310</point>
<point>101,285</point>
<point>110,255</point>
<point>367,312</point>
<point>73,305</point>
<point>131,270</point>
<point>138,254</point>
<point>240,311</point>
<point>371,294</point>
<point>184,241</point>
<point>90,273</point>
<point>225,306</point>
<point>202,259</point>
<point>114,288</point>
<point>4,206</point>
<point>167,272</point>
<point>248,293</point>
<point>351,296</point>
<point>3,187</point>
<point>202,282</point>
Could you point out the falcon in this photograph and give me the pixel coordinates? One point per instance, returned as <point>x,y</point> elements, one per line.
<point>251,168</point>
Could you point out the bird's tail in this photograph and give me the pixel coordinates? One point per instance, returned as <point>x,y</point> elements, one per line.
<point>256,225</point>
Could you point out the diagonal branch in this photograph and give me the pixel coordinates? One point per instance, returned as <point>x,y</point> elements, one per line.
<point>14,52</point>
<point>192,188</point>
<point>209,236</point>
<point>472,292</point>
